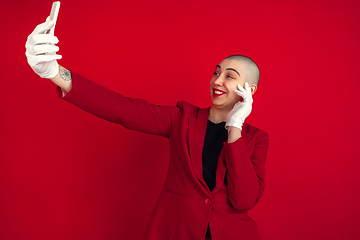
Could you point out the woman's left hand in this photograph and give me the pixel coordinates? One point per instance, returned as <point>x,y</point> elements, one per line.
<point>241,109</point>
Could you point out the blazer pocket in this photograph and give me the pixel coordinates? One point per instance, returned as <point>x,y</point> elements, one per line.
<point>177,192</point>
<point>164,219</point>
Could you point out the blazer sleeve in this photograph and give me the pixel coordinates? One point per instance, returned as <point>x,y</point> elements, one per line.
<point>133,114</point>
<point>245,173</point>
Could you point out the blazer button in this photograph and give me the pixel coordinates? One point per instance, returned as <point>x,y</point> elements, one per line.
<point>207,202</point>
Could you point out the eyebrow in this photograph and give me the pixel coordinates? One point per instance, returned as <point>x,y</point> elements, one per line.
<point>229,69</point>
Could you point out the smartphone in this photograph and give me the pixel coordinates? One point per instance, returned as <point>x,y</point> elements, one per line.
<point>53,15</point>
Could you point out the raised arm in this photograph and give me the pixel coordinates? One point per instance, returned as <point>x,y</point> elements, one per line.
<point>135,114</point>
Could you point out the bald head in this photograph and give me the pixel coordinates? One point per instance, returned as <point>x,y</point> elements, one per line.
<point>252,72</point>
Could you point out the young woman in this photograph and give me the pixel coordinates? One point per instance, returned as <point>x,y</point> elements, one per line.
<point>216,169</point>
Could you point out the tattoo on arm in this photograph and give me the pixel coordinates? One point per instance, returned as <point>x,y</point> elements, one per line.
<point>65,74</point>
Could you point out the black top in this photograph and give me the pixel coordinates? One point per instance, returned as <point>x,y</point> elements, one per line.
<point>215,136</point>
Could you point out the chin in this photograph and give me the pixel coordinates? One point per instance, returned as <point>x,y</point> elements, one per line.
<point>219,105</point>
<point>216,103</point>
<point>223,105</point>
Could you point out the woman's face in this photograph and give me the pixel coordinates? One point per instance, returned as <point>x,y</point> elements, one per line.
<point>228,74</point>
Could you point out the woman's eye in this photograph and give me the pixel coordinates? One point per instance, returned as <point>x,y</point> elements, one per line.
<point>229,76</point>
<point>215,73</point>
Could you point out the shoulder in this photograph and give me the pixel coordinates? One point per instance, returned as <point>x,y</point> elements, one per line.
<point>188,108</point>
<point>190,111</point>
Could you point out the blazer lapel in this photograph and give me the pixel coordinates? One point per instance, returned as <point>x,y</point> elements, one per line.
<point>220,172</point>
<point>197,131</point>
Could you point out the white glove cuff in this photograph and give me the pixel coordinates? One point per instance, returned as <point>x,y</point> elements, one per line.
<point>238,124</point>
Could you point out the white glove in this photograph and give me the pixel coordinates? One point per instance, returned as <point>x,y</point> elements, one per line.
<point>41,51</point>
<point>241,110</point>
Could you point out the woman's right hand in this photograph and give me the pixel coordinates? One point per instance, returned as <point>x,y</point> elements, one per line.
<point>41,51</point>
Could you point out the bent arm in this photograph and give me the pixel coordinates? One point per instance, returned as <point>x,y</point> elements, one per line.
<point>246,173</point>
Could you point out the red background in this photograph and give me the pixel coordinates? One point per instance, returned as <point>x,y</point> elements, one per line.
<point>65,174</point>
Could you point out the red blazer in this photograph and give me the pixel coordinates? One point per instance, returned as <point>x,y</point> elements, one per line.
<point>186,205</point>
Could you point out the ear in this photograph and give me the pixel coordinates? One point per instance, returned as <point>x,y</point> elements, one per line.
<point>253,88</point>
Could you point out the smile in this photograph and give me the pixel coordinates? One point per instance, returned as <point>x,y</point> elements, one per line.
<point>218,92</point>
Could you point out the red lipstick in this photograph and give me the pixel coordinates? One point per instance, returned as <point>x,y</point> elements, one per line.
<point>217,92</point>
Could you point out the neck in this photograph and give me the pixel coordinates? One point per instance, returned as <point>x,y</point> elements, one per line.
<point>218,115</point>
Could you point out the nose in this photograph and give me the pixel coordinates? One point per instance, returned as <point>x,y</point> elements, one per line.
<point>219,81</point>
